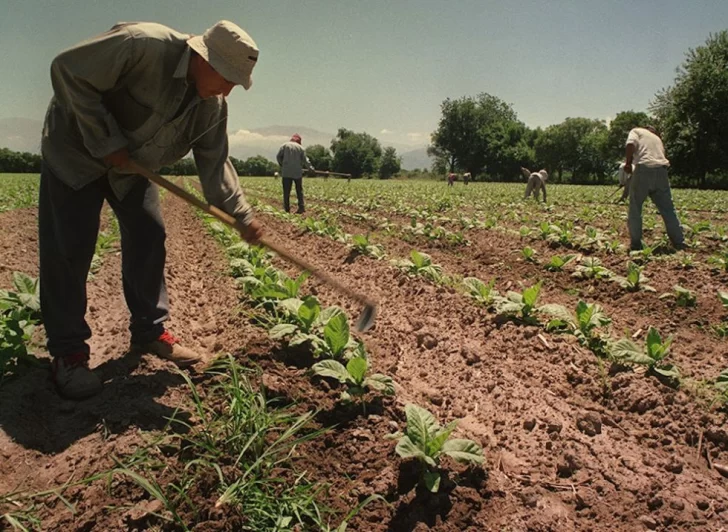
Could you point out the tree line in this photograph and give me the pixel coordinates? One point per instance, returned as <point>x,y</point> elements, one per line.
<point>358,154</point>
<point>482,134</point>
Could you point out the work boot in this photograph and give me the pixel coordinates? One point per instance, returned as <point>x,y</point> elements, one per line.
<point>167,347</point>
<point>73,378</point>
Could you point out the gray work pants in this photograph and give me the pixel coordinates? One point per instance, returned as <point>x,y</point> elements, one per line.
<point>652,182</point>
<point>68,227</point>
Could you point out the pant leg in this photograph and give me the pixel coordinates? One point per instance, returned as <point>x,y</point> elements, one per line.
<point>299,194</point>
<point>529,189</point>
<point>143,257</point>
<point>638,191</point>
<point>662,198</point>
<point>287,182</point>
<point>68,225</point>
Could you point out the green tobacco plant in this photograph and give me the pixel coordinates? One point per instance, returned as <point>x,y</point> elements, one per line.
<point>635,279</point>
<point>557,262</point>
<point>591,240</point>
<point>354,377</point>
<point>723,297</point>
<point>652,356</point>
<point>362,245</point>
<point>720,260</point>
<point>682,296</point>
<point>585,324</point>
<point>425,440</point>
<point>528,254</point>
<point>326,331</point>
<point>520,306</point>
<point>19,314</point>
<point>721,386</point>
<point>421,264</point>
<point>591,268</point>
<point>483,293</point>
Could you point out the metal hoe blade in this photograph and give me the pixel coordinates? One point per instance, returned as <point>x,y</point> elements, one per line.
<point>366,318</point>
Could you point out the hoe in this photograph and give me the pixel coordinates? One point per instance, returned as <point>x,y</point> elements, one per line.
<point>366,319</point>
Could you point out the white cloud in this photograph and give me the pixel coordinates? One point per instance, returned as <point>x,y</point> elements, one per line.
<point>243,136</point>
<point>386,131</point>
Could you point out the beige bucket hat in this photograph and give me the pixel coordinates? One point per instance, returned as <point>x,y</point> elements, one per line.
<point>229,50</point>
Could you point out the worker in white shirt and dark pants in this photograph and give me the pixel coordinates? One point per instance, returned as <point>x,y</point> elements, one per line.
<point>645,150</point>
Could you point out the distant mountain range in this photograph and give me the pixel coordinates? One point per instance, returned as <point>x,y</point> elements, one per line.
<point>23,134</point>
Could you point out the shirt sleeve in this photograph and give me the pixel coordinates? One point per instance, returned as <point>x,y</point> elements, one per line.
<point>279,157</point>
<point>633,137</point>
<point>219,180</point>
<point>81,74</point>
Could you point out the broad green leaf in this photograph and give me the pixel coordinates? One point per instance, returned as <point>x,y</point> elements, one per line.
<point>557,311</point>
<point>360,240</point>
<point>328,313</point>
<point>431,480</point>
<point>723,296</point>
<point>625,350</point>
<point>530,295</point>
<point>282,330</point>
<point>407,449</point>
<point>420,260</point>
<point>440,438</point>
<point>272,291</point>
<point>301,338</point>
<point>656,348</point>
<point>421,425</point>
<point>668,370</point>
<point>290,306</point>
<point>241,268</point>
<point>336,334</point>
<point>463,450</point>
<point>474,285</point>
<point>309,312</point>
<point>380,383</point>
<point>721,383</point>
<point>357,368</point>
<point>331,368</point>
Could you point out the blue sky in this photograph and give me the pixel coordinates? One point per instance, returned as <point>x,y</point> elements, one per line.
<point>385,66</point>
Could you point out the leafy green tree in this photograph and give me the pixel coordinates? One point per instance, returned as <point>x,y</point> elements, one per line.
<point>578,145</point>
<point>444,162</point>
<point>357,154</point>
<point>390,164</point>
<point>479,134</point>
<point>693,114</point>
<point>320,157</point>
<point>19,162</point>
<point>619,128</point>
<point>258,166</point>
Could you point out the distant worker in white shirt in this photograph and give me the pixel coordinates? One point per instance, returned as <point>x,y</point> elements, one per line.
<point>536,182</point>
<point>645,150</point>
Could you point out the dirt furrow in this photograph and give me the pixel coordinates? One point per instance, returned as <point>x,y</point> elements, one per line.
<point>535,408</point>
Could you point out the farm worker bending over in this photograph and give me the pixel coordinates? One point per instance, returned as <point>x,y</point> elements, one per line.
<point>292,159</point>
<point>645,150</point>
<point>142,92</point>
<point>451,179</point>
<point>466,178</point>
<point>536,182</point>
<point>624,180</point>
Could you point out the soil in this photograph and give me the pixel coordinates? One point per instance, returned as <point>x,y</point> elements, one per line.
<point>567,446</point>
